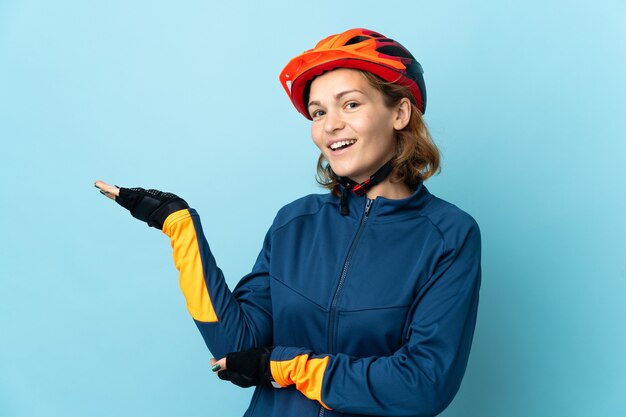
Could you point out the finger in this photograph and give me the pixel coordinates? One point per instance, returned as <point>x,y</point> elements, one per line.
<point>218,365</point>
<point>109,191</point>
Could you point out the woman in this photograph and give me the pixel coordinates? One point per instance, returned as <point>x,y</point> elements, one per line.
<point>362,301</point>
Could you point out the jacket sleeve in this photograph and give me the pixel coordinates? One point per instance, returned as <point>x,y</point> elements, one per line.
<point>228,321</point>
<point>424,374</point>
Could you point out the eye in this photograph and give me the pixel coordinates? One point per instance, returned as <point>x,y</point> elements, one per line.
<point>351,105</point>
<point>317,113</point>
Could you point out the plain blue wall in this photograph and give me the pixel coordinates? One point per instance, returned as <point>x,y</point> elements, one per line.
<point>525,101</point>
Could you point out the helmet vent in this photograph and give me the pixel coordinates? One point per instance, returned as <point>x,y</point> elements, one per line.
<point>394,51</point>
<point>356,39</point>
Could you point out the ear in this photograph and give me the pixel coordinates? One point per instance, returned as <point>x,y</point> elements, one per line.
<point>403,114</point>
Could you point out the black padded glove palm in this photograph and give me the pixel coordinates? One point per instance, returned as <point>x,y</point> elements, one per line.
<point>248,368</point>
<point>150,206</point>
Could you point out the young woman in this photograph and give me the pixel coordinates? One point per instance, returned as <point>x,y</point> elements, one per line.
<point>363,300</point>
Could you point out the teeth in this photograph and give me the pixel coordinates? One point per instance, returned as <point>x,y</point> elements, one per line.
<point>337,145</point>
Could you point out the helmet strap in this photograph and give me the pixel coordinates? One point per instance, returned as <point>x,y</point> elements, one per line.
<point>361,189</point>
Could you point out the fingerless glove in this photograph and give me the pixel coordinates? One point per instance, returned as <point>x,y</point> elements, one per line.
<point>150,206</point>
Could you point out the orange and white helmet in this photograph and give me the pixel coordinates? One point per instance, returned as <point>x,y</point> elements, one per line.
<point>359,49</point>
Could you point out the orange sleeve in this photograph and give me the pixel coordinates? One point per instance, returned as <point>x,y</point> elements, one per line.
<point>306,373</point>
<point>180,228</point>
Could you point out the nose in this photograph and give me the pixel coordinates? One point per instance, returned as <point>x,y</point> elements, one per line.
<point>333,121</point>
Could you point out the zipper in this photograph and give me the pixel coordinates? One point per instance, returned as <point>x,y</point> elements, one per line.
<point>342,279</point>
<point>338,291</point>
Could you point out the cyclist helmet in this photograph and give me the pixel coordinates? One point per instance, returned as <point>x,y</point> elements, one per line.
<point>359,49</point>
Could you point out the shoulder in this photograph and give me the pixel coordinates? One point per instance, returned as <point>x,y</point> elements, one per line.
<point>454,224</point>
<point>305,206</point>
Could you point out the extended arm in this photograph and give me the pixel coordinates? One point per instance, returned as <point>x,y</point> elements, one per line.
<point>228,321</point>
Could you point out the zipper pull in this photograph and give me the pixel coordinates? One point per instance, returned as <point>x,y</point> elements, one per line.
<point>368,206</point>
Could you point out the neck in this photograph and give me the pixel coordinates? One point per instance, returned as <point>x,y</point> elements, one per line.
<point>389,190</point>
<point>377,185</point>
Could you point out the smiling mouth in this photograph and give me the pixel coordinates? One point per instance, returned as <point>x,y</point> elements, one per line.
<point>342,145</point>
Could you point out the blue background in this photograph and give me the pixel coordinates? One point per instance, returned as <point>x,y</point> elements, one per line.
<point>525,100</point>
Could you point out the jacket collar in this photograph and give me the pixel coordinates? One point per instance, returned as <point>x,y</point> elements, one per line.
<point>385,209</point>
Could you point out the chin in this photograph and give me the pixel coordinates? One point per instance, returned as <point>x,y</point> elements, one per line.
<point>341,171</point>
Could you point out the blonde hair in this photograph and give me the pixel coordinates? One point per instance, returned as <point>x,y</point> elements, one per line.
<point>417,157</point>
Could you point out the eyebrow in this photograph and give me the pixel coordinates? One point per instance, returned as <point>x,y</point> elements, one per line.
<point>337,96</point>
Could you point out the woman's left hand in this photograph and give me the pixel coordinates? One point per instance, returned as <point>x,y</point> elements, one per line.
<point>245,369</point>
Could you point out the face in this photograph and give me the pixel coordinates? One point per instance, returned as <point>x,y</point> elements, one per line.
<point>351,126</point>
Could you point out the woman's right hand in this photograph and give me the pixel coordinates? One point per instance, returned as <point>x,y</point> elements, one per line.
<point>110,191</point>
<point>150,206</point>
